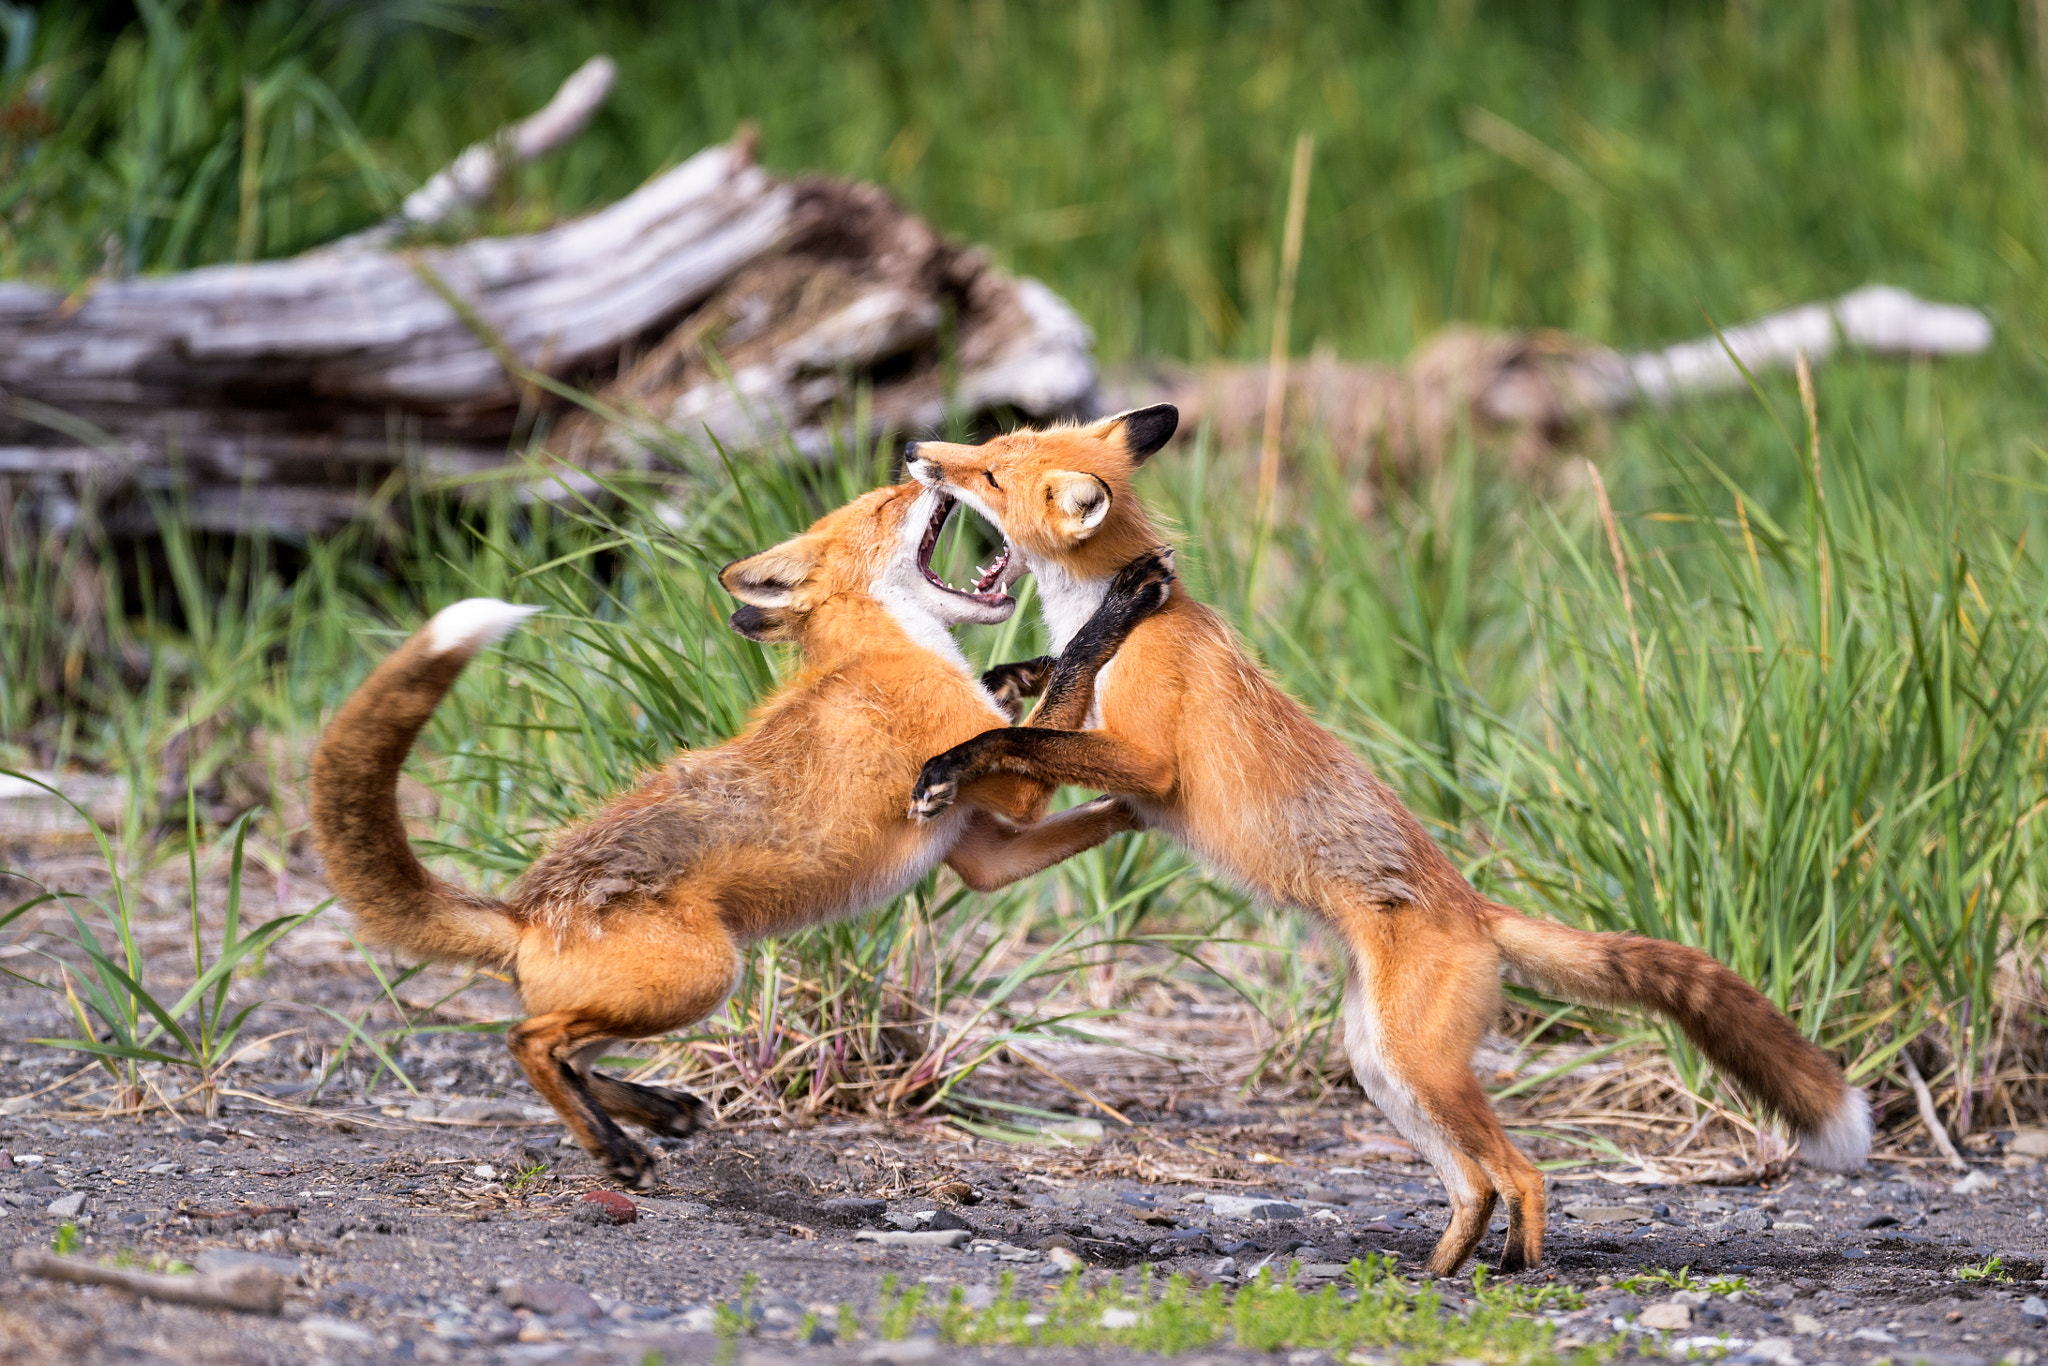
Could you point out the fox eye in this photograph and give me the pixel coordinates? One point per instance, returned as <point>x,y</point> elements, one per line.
<point>990,475</point>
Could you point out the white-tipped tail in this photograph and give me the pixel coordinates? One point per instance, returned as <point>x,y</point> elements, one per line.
<point>1843,1142</point>
<point>473,623</point>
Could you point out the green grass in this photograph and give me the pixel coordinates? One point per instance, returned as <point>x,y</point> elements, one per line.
<point>1372,1308</point>
<point>1807,737</point>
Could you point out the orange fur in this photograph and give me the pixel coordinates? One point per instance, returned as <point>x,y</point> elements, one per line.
<point>630,925</point>
<point>1206,747</point>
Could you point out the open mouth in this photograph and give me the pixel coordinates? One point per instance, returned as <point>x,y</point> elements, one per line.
<point>988,584</point>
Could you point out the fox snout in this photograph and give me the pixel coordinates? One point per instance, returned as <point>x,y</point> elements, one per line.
<point>926,472</point>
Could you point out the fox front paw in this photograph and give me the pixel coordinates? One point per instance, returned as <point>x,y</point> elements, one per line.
<point>1147,581</point>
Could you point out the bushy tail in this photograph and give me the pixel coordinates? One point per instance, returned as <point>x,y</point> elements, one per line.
<point>1746,1037</point>
<point>370,863</point>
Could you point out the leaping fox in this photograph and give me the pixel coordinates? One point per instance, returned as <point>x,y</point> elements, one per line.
<point>1191,732</point>
<point>630,925</point>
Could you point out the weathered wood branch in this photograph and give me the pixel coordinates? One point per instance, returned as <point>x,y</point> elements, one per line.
<point>1537,387</point>
<point>281,394</point>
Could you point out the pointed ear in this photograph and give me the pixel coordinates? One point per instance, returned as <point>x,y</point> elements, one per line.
<point>1144,430</point>
<point>771,579</point>
<point>1075,503</point>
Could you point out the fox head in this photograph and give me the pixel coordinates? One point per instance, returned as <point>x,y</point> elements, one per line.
<point>875,550</point>
<point>1062,496</point>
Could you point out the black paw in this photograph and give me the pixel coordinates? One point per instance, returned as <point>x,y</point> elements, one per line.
<point>630,1164</point>
<point>679,1113</point>
<point>1146,582</point>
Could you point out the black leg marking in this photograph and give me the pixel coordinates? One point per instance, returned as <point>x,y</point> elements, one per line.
<point>655,1108</point>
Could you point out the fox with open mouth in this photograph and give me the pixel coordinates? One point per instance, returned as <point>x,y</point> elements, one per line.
<point>1205,747</point>
<point>630,925</point>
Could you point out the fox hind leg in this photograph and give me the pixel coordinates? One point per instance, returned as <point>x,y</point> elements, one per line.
<point>1439,1107</point>
<point>546,1048</point>
<point>657,1109</point>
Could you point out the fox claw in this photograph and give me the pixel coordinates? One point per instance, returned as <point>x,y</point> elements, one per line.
<point>932,798</point>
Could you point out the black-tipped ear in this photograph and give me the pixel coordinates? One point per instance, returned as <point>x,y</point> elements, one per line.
<point>1147,429</point>
<point>756,623</point>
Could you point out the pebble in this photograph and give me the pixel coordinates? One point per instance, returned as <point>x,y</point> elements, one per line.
<point>1251,1207</point>
<point>1668,1316</point>
<point>1973,1183</point>
<point>854,1209</point>
<point>2029,1143</point>
<point>605,1207</point>
<point>320,1328</point>
<point>1223,1268</point>
<point>223,1261</point>
<point>1807,1326</point>
<point>68,1206</point>
<point>903,1352</point>
<point>949,1237</point>
<point>1063,1259</point>
<point>2034,1310</point>
<point>1607,1214</point>
<point>556,1299</point>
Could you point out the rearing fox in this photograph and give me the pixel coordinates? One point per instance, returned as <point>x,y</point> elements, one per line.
<point>1191,732</point>
<point>630,925</point>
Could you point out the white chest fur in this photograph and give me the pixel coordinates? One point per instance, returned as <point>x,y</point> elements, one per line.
<point>1066,602</point>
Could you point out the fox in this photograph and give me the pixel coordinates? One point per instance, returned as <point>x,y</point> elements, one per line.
<point>1209,750</point>
<point>630,924</point>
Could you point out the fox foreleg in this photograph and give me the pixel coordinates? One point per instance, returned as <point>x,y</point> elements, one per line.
<point>1009,684</point>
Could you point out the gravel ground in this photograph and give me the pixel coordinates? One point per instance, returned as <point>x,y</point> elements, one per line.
<point>407,1240</point>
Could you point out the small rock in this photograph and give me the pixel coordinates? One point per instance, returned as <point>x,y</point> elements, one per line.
<point>1223,1268</point>
<point>1142,1199</point>
<point>2029,1143</point>
<point>1749,1221</point>
<point>68,1206</point>
<point>6,1161</point>
<point>1973,1183</point>
<point>320,1328</point>
<point>902,1352</point>
<point>1667,1317</point>
<point>17,1105</point>
<point>1608,1214</point>
<point>2034,1310</point>
<point>1855,1254</point>
<point>556,1299</point>
<point>847,1209</point>
<point>945,1218</point>
<point>605,1207</point>
<point>978,1296</point>
<point>1062,1258</point>
<point>422,1110</point>
<point>1119,1318</point>
<point>1807,1326</point>
<point>224,1261</point>
<point>162,1169</point>
<point>1053,1240</point>
<point>1620,1306</point>
<point>1879,1221</point>
<point>950,1237</point>
<point>1872,1335</point>
<point>484,1171</point>
<point>1251,1207</point>
<point>1773,1349</point>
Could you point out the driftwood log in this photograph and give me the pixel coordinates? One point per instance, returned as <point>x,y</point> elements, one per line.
<point>1531,390</point>
<point>717,298</point>
<point>717,301</point>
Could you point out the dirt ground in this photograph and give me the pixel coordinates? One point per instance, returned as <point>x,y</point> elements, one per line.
<point>449,1227</point>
